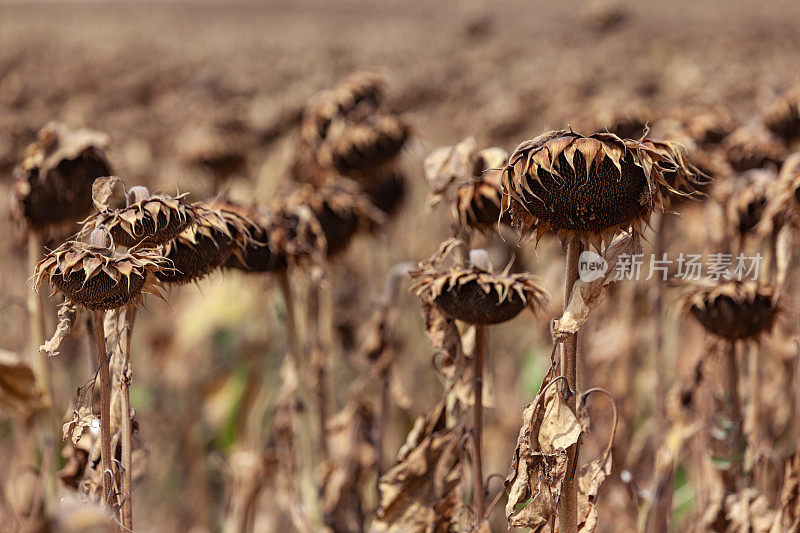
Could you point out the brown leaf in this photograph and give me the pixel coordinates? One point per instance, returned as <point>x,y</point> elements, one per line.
<point>81,419</point>
<point>102,189</point>
<point>66,319</point>
<point>787,517</point>
<point>445,166</point>
<point>539,465</point>
<point>17,383</point>
<point>420,493</point>
<point>587,295</point>
<point>442,332</point>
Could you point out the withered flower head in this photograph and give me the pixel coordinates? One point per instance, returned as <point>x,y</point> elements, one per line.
<point>745,198</point>
<point>94,275</point>
<point>206,244</point>
<point>386,190</point>
<point>287,235</point>
<point>476,205</point>
<point>341,210</point>
<point>733,309</point>
<point>783,117</point>
<point>359,148</point>
<point>53,184</point>
<point>590,188</point>
<point>630,121</point>
<point>358,94</point>
<point>752,146</point>
<point>708,126</point>
<point>476,295</point>
<point>147,219</point>
<point>219,146</point>
<point>783,202</point>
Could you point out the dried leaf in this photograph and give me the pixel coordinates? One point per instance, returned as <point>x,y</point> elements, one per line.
<point>539,465</point>
<point>442,332</point>
<point>81,419</point>
<point>420,493</point>
<point>102,189</point>
<point>787,516</point>
<point>445,166</point>
<point>66,319</point>
<point>17,381</point>
<point>587,295</point>
<point>783,256</point>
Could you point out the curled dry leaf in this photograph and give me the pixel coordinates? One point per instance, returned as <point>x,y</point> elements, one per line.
<point>445,166</point>
<point>102,189</point>
<point>66,319</point>
<point>587,295</point>
<point>593,474</point>
<point>420,493</point>
<point>539,465</point>
<point>74,427</point>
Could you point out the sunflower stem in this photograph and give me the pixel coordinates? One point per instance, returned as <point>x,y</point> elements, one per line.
<point>105,407</point>
<point>755,409</point>
<point>568,503</point>
<point>304,420</point>
<point>732,371</point>
<point>129,315</point>
<point>477,413</point>
<point>40,365</point>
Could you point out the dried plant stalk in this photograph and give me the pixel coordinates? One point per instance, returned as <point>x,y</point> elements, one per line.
<point>105,407</point>
<point>568,503</point>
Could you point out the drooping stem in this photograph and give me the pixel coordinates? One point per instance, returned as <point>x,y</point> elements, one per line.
<point>477,413</point>
<point>105,407</point>
<point>304,421</point>
<point>568,503</point>
<point>129,315</point>
<point>325,338</point>
<point>755,407</point>
<point>383,420</point>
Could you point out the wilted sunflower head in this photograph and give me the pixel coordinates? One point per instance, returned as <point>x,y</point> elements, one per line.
<point>358,94</point>
<point>94,275</point>
<point>783,203</point>
<point>783,117</point>
<point>475,294</point>
<point>386,190</point>
<point>219,146</point>
<point>752,146</point>
<point>53,184</point>
<point>146,219</point>
<point>733,309</point>
<point>708,126</point>
<point>745,198</point>
<point>357,149</point>
<point>206,244</point>
<point>341,210</point>
<point>476,206</point>
<point>590,188</point>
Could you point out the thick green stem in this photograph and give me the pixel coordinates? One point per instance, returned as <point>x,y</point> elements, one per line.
<point>105,408</point>
<point>477,411</point>
<point>304,420</point>
<point>568,503</point>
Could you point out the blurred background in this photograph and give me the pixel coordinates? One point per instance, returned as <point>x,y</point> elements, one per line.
<point>207,362</point>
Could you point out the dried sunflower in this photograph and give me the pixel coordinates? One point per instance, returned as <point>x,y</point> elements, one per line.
<point>783,117</point>
<point>205,245</point>
<point>589,188</point>
<point>745,198</point>
<point>219,146</point>
<point>53,184</point>
<point>341,209</point>
<point>752,146</point>
<point>783,204</point>
<point>97,277</point>
<point>386,190</point>
<point>359,93</point>
<point>476,295</point>
<point>733,309</point>
<point>353,149</point>
<point>147,219</point>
